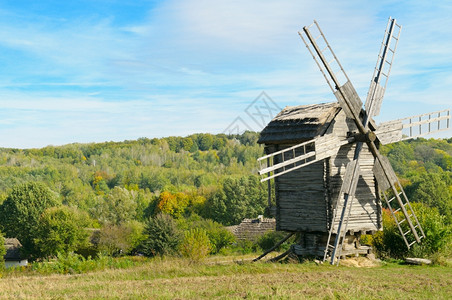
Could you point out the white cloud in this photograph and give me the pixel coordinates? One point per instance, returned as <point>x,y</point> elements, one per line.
<point>195,65</point>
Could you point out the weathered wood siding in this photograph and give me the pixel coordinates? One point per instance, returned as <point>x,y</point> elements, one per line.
<point>366,210</point>
<point>300,199</point>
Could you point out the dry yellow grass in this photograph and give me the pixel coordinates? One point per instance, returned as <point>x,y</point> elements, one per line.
<point>178,279</point>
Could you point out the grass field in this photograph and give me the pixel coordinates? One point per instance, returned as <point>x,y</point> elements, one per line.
<point>222,278</point>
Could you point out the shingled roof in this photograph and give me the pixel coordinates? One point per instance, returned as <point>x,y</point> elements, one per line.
<point>12,246</point>
<point>299,123</point>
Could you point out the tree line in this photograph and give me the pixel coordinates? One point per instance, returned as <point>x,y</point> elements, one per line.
<point>69,198</point>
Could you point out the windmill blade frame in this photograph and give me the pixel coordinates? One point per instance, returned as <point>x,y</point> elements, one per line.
<point>383,68</point>
<point>387,179</point>
<point>281,162</point>
<point>345,93</point>
<point>413,127</point>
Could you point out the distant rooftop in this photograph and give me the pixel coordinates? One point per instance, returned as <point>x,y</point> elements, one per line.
<point>12,246</point>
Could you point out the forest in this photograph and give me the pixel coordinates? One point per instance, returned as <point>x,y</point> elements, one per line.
<point>175,195</point>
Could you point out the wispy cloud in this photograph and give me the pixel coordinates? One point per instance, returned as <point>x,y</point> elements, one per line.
<point>174,68</point>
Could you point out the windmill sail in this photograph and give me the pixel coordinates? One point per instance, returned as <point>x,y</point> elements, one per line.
<point>387,179</point>
<point>292,158</point>
<point>333,72</point>
<point>382,68</point>
<point>413,127</point>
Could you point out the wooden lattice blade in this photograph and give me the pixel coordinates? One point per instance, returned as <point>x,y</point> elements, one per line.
<point>333,72</point>
<point>349,100</point>
<point>383,68</point>
<point>295,157</point>
<point>384,174</point>
<point>374,99</point>
<point>389,132</point>
<point>387,179</point>
<point>412,127</point>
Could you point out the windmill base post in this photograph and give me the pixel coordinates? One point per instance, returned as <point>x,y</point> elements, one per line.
<point>312,244</point>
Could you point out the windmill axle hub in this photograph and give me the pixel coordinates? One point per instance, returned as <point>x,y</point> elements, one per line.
<point>365,138</point>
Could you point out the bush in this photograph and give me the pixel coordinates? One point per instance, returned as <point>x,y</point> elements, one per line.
<point>389,243</point>
<point>162,236</point>
<point>116,240</point>
<point>195,245</point>
<point>438,235</point>
<point>245,247</point>
<point>72,263</point>
<point>218,235</point>
<point>271,238</point>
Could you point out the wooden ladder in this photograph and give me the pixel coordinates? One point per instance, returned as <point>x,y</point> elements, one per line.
<point>408,217</point>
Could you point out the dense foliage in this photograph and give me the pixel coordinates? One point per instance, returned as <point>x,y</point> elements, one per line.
<point>21,212</point>
<point>143,196</point>
<point>425,167</point>
<point>60,230</point>
<point>162,236</point>
<point>195,244</point>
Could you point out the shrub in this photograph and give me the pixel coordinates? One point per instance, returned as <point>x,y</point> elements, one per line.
<point>218,235</point>
<point>195,244</point>
<point>72,263</point>
<point>438,235</point>
<point>389,243</point>
<point>162,236</point>
<point>271,238</point>
<point>245,247</point>
<point>115,240</point>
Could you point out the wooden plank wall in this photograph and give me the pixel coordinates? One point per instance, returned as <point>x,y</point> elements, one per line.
<point>300,199</point>
<point>366,209</point>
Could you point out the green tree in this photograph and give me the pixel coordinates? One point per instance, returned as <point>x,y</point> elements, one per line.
<point>118,206</point>
<point>172,204</point>
<point>239,198</point>
<point>432,189</point>
<point>21,211</point>
<point>187,143</point>
<point>162,236</point>
<point>205,141</point>
<point>61,230</point>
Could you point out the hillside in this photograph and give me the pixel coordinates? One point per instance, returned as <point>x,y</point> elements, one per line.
<point>117,189</point>
<point>84,174</point>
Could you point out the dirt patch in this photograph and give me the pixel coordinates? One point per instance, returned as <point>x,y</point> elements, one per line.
<point>360,262</point>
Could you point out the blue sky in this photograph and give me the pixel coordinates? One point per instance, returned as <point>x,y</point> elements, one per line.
<point>101,70</point>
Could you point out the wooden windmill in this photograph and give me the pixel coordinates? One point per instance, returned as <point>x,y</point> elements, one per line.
<point>328,172</point>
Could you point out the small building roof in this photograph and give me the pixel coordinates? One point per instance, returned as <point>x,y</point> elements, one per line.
<point>12,246</point>
<point>251,229</point>
<point>296,124</point>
